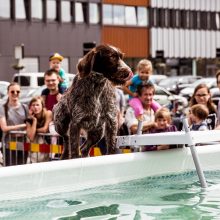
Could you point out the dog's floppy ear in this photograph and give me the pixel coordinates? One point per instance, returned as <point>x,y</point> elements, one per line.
<point>85,65</point>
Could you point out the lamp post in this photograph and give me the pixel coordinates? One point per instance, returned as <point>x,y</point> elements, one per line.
<point>18,55</point>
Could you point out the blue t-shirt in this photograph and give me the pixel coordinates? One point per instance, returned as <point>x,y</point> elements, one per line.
<point>136,81</point>
<point>64,77</point>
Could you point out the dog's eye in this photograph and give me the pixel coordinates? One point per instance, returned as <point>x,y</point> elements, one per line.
<point>121,55</point>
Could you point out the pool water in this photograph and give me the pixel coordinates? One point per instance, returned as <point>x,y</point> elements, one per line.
<point>166,197</point>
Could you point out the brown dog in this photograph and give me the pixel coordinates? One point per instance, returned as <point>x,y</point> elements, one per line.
<point>90,103</point>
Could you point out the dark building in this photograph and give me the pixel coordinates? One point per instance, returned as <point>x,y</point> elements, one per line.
<point>44,27</point>
<point>179,36</point>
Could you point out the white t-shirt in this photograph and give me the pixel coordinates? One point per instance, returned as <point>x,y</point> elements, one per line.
<point>130,118</point>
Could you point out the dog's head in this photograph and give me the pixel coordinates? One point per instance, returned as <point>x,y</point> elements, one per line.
<point>106,60</point>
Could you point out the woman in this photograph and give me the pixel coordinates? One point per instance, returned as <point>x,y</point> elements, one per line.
<point>38,122</point>
<point>202,95</point>
<point>12,115</point>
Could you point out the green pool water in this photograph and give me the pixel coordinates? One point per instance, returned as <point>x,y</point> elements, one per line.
<point>166,197</point>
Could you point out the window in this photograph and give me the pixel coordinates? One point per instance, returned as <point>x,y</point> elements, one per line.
<point>217,20</point>
<point>4,8</point>
<point>65,11</point>
<point>65,64</point>
<point>142,16</point>
<point>36,9</point>
<point>94,17</point>
<point>20,9</point>
<point>51,10</point>
<point>118,14</point>
<point>30,64</point>
<point>40,81</point>
<point>23,80</point>
<point>79,12</point>
<point>130,15</point>
<point>107,14</point>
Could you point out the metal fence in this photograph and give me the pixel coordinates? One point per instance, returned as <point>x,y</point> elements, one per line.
<point>19,150</point>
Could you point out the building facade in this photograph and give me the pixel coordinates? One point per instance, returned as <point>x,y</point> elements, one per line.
<point>179,36</point>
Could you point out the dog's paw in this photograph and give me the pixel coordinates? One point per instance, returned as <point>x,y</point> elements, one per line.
<point>112,150</point>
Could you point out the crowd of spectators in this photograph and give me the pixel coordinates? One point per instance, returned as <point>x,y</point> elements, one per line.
<point>36,118</point>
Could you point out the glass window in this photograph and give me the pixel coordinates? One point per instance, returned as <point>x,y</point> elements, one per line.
<point>107,14</point>
<point>36,9</point>
<point>79,12</point>
<point>40,81</point>
<point>142,16</point>
<point>65,11</point>
<point>217,19</point>
<point>23,80</point>
<point>51,10</point>
<point>4,8</point>
<point>93,13</point>
<point>65,64</point>
<point>20,9</point>
<point>118,14</point>
<point>130,15</point>
<point>30,64</point>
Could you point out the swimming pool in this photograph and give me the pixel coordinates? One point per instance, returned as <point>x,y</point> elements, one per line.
<point>123,186</point>
<point>164,197</point>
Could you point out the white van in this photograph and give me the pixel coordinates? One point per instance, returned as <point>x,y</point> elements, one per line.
<point>34,80</point>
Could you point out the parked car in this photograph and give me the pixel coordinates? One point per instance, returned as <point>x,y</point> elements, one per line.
<point>169,100</point>
<point>175,84</point>
<point>29,81</point>
<point>209,81</point>
<point>3,88</point>
<point>33,93</point>
<point>156,78</point>
<point>215,92</point>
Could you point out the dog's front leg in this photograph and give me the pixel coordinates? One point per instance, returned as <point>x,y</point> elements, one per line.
<point>74,140</point>
<point>110,134</point>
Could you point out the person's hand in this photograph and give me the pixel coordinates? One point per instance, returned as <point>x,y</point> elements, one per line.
<point>135,94</point>
<point>59,97</point>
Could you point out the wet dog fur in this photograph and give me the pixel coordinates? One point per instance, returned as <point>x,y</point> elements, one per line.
<point>90,102</point>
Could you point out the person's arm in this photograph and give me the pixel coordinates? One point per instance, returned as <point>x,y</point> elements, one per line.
<point>127,90</point>
<point>5,128</point>
<point>31,128</point>
<point>45,128</point>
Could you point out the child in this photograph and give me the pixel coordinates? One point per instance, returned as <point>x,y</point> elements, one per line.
<point>197,116</point>
<point>144,71</point>
<point>162,124</point>
<point>55,63</point>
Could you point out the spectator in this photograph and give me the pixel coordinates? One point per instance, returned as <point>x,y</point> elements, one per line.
<point>12,115</point>
<point>202,95</point>
<point>162,123</point>
<point>121,104</point>
<point>51,80</point>
<point>55,61</point>
<point>145,94</point>
<point>198,115</point>
<point>38,122</point>
<point>144,71</point>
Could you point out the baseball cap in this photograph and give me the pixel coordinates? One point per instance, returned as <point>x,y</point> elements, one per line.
<point>55,56</point>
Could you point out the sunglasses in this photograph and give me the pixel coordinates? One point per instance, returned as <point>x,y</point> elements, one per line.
<point>15,92</point>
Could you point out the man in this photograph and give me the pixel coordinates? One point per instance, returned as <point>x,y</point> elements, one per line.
<point>145,94</point>
<point>51,80</point>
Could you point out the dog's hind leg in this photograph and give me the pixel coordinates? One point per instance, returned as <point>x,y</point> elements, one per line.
<point>93,137</point>
<point>110,136</point>
<point>74,140</point>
